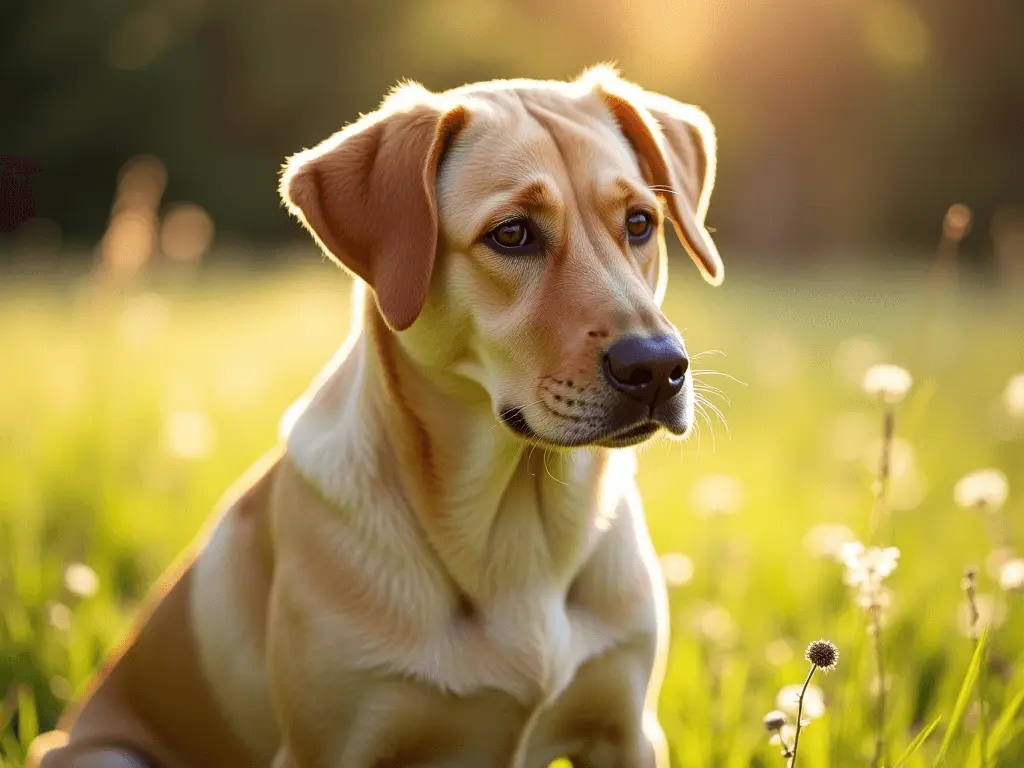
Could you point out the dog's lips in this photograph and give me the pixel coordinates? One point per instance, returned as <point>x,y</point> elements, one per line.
<point>633,435</point>
<point>515,419</point>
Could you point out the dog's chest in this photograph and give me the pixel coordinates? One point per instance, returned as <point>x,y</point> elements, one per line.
<point>541,605</point>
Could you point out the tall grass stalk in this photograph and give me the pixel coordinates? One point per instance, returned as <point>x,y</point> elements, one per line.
<point>970,588</point>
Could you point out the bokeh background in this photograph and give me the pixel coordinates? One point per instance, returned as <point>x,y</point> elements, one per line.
<point>159,311</point>
<point>843,123</point>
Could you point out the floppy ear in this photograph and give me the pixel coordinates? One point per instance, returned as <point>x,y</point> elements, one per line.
<point>367,196</point>
<point>676,143</point>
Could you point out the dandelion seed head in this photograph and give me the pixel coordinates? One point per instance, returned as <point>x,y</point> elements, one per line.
<point>822,654</point>
<point>983,489</point>
<point>788,700</point>
<point>774,720</point>
<point>81,580</point>
<point>888,383</point>
<point>1011,575</point>
<point>677,569</point>
<point>868,564</point>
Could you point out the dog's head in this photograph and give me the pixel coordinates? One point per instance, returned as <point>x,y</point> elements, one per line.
<point>513,235</point>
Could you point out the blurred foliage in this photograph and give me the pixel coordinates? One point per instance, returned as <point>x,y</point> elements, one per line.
<point>137,405</point>
<point>842,122</point>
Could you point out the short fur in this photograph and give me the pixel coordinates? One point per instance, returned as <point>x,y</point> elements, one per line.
<point>408,581</point>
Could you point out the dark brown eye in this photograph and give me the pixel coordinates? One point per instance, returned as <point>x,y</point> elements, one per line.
<point>639,226</point>
<point>512,237</point>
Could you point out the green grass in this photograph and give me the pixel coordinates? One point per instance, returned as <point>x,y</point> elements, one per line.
<point>90,378</point>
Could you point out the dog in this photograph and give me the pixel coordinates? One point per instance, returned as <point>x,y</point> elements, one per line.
<point>445,562</point>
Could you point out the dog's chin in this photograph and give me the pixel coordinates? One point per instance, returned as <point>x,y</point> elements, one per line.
<point>636,433</point>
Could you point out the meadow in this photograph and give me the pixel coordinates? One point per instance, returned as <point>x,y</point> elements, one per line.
<point>127,409</point>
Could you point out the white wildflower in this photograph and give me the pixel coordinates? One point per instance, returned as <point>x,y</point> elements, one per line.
<point>997,558</point>
<point>784,737</point>
<point>1013,396</point>
<point>866,569</point>
<point>983,489</point>
<point>1011,574</point>
<point>889,383</point>
<point>81,580</point>
<point>868,565</point>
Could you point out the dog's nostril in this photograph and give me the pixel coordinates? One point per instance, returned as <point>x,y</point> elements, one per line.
<point>677,373</point>
<point>638,377</point>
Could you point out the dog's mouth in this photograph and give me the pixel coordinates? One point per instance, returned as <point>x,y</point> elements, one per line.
<point>630,436</point>
<point>623,437</point>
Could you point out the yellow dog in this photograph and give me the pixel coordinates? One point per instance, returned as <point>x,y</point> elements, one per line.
<point>411,580</point>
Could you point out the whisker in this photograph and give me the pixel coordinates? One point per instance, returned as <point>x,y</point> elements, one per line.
<point>710,372</point>
<point>698,406</point>
<point>548,471</point>
<point>708,389</point>
<point>696,429</point>
<point>719,414</point>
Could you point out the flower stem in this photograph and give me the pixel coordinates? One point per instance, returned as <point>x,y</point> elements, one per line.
<point>880,508</point>
<point>969,588</point>
<point>982,719</point>
<point>876,633</point>
<point>799,716</point>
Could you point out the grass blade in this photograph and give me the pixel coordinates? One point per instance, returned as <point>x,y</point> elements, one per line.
<point>1002,727</point>
<point>917,742</point>
<point>28,723</point>
<point>965,695</point>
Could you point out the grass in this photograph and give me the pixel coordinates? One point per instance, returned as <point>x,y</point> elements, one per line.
<point>125,413</point>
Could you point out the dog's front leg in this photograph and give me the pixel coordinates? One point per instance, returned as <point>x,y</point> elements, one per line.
<point>649,749</point>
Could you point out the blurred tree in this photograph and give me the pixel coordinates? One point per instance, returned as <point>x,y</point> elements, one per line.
<point>847,123</point>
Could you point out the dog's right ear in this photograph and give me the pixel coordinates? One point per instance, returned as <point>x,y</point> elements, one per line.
<point>367,196</point>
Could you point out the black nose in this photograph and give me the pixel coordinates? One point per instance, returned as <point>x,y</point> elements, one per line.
<point>650,370</point>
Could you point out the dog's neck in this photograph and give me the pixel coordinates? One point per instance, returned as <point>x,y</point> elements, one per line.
<point>379,434</point>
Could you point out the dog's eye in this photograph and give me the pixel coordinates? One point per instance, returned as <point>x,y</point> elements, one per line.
<point>639,226</point>
<point>512,237</point>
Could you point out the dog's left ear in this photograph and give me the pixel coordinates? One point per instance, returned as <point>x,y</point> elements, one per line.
<point>676,143</point>
<point>367,195</point>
